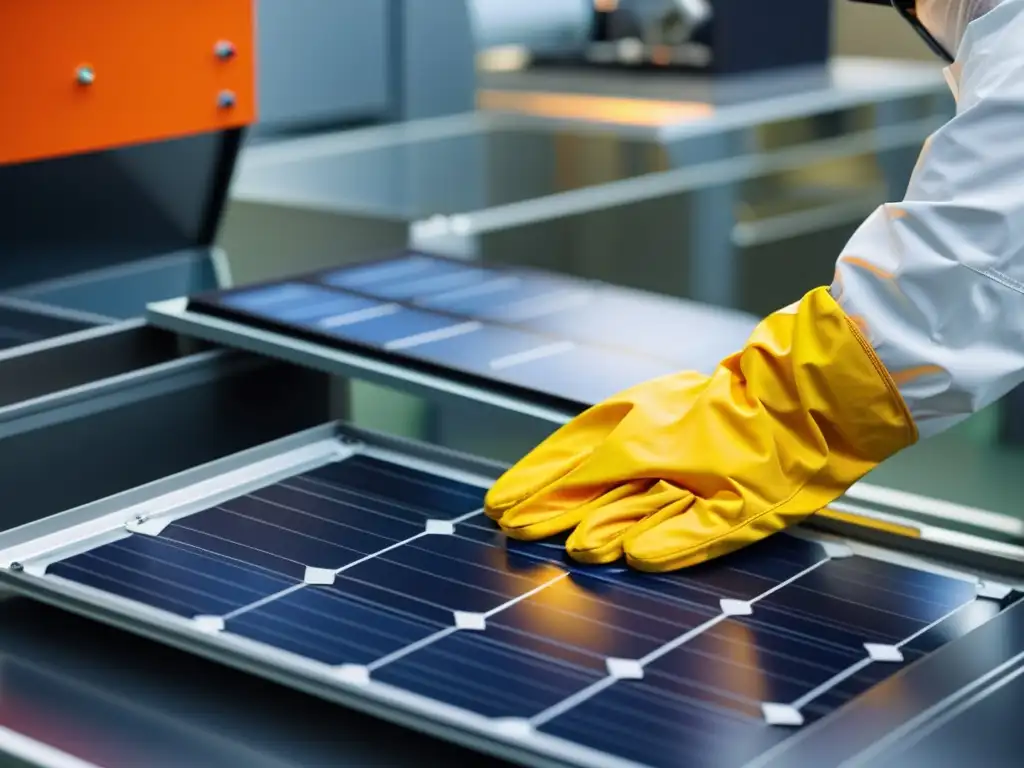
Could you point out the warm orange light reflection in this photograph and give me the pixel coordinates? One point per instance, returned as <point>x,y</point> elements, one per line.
<point>737,644</point>
<point>661,55</point>
<point>870,522</point>
<point>570,614</point>
<point>501,562</point>
<point>603,109</point>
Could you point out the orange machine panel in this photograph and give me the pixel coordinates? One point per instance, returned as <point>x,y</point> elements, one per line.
<point>82,76</point>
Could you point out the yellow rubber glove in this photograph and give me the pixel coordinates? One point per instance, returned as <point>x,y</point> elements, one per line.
<point>687,468</point>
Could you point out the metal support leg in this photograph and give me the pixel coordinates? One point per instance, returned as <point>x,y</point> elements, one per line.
<point>713,269</point>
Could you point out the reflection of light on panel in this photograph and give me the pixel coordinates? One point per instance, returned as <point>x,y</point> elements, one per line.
<point>503,561</point>
<point>743,675</point>
<point>604,109</point>
<point>569,612</point>
<point>871,522</point>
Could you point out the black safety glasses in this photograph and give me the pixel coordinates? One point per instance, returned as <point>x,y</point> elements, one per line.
<point>908,10</point>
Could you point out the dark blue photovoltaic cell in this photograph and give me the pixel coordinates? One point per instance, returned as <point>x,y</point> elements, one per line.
<point>327,518</point>
<point>852,687</point>
<point>834,605</point>
<point>266,297</point>
<point>639,723</point>
<point>299,303</point>
<point>970,617</point>
<point>527,324</point>
<point>513,629</point>
<point>483,676</point>
<point>382,330</point>
<point>449,572</point>
<point>334,626</point>
<point>367,278</point>
<point>741,661</point>
<point>169,576</point>
<point>477,350</point>
<point>406,279</point>
<point>932,595</point>
<point>746,574</point>
<point>965,620</point>
<point>400,487</point>
<point>508,299</point>
<point>282,539</point>
<point>602,618</point>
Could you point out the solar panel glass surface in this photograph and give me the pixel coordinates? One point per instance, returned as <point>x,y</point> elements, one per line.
<point>424,596</point>
<point>547,335</point>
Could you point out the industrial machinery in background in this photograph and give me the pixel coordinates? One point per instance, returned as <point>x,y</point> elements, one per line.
<point>113,174</point>
<point>491,116</point>
<point>331,63</point>
<point>718,36</point>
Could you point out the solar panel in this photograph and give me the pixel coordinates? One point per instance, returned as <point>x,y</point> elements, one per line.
<point>390,579</point>
<point>540,334</point>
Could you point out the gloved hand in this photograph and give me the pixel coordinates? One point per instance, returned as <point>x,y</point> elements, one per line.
<point>689,467</point>
<point>947,20</point>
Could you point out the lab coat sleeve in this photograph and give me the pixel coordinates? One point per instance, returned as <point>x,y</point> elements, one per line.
<point>936,283</point>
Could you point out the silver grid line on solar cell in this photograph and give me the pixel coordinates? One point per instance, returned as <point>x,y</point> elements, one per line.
<point>178,504</point>
<point>360,674</point>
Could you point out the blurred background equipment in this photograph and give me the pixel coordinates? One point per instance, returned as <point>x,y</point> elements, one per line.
<point>328,63</point>
<point>720,36</point>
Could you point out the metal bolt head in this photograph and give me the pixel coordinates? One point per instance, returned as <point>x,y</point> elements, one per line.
<point>85,75</point>
<point>17,567</point>
<point>226,99</point>
<point>224,49</point>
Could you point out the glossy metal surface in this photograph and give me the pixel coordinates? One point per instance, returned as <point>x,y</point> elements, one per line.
<point>474,166</point>
<point>744,100</point>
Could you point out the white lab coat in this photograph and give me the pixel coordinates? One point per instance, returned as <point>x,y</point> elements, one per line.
<point>937,282</point>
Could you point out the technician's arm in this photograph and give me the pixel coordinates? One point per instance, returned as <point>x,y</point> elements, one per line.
<point>923,326</point>
<point>937,283</point>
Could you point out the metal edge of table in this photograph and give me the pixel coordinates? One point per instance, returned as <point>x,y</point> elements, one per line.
<point>400,707</point>
<point>886,527</point>
<point>133,386</point>
<point>54,311</point>
<point>922,81</point>
<point>686,178</point>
